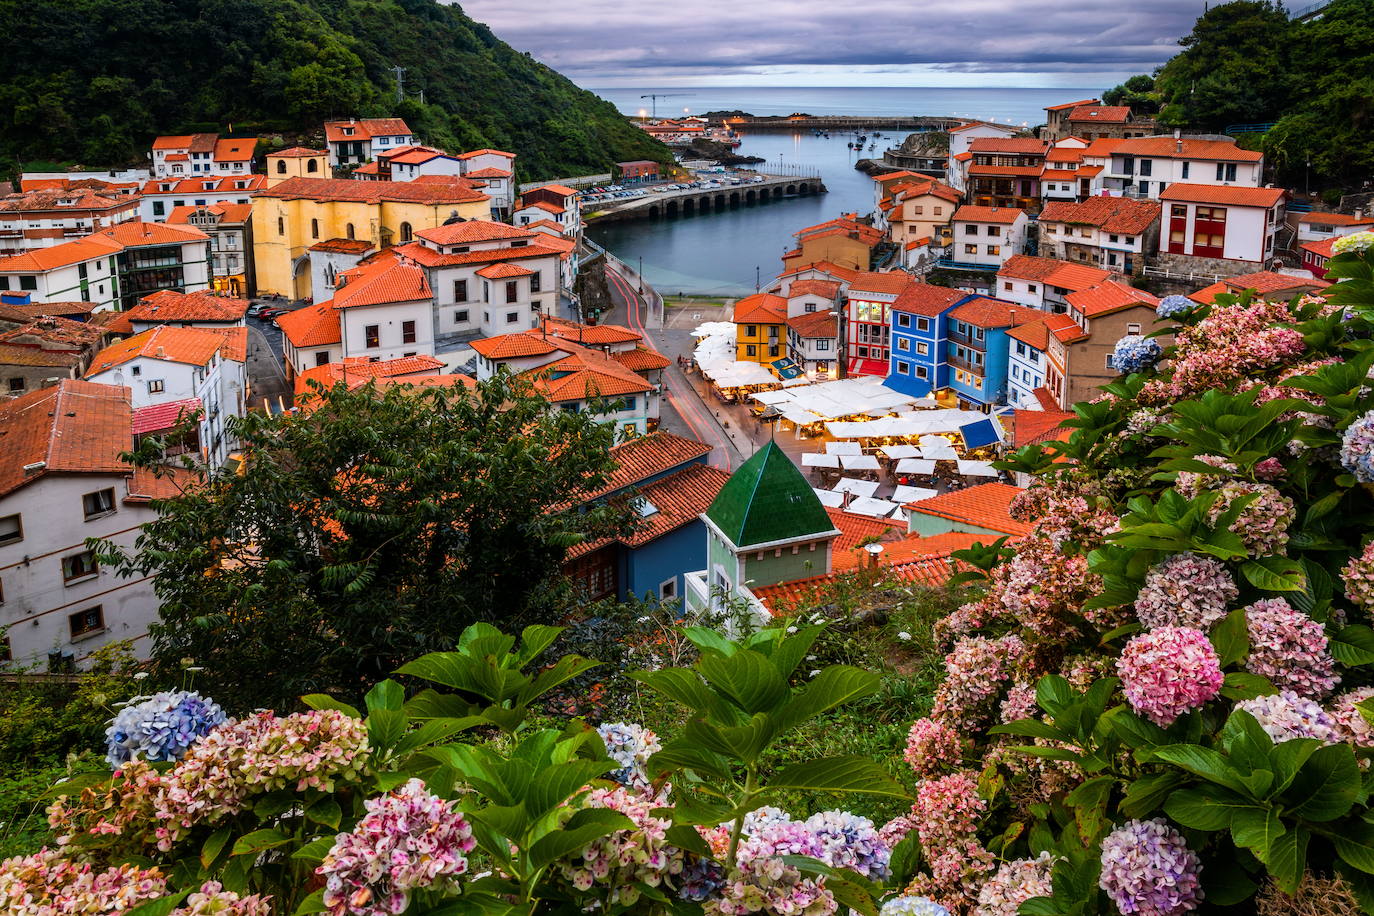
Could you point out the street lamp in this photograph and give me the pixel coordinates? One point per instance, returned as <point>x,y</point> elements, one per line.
<point>641,274</point>
<point>757,283</point>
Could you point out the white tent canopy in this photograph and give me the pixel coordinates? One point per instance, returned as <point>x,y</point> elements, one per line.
<point>977,469</point>
<point>771,397</point>
<point>737,374</point>
<point>816,460</point>
<point>900,451</point>
<point>859,462</point>
<point>916,466</point>
<point>830,498</point>
<point>867,505</point>
<point>843,448</point>
<point>904,495</point>
<point>857,487</point>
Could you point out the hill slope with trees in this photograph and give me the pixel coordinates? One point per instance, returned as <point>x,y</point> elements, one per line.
<point>96,80</point>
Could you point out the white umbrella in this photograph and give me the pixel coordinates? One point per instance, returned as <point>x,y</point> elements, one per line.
<point>843,448</point>
<point>916,466</point>
<point>830,498</point>
<point>867,505</point>
<point>977,469</point>
<point>815,460</point>
<point>900,451</point>
<point>904,495</point>
<point>859,462</point>
<point>857,487</point>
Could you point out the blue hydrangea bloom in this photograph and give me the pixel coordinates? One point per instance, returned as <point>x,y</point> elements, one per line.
<point>851,841</point>
<point>1172,305</point>
<point>912,906</point>
<point>1357,448</point>
<point>160,727</point>
<point>631,746</point>
<point>1134,353</point>
<point>700,878</point>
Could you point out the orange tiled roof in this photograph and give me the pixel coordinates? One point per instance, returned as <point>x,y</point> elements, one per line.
<point>826,289</point>
<point>927,187</point>
<point>1262,282</point>
<point>893,176</point>
<point>1022,145</point>
<point>504,271</point>
<point>1064,154</point>
<point>1324,248</point>
<point>234,150</point>
<point>1102,147</point>
<point>1077,104</point>
<point>382,282</point>
<point>986,505</point>
<point>364,129</point>
<point>112,322</point>
<point>867,281</point>
<point>145,485</point>
<point>312,326</point>
<point>1035,334</point>
<point>343,246</point>
<point>371,192</point>
<point>1059,175</point>
<point>37,356</point>
<point>971,214</point>
<point>925,299</point>
<point>484,152</point>
<point>1032,427</point>
<point>193,346</point>
<point>157,417</point>
<point>357,371</point>
<point>647,456</point>
<point>585,374</point>
<point>1122,215</point>
<point>845,274</point>
<point>73,427</point>
<point>590,334</point>
<point>1104,114</point>
<point>1223,194</point>
<point>1064,274</point>
<point>562,189</point>
<point>640,359</point>
<point>1109,296</point>
<point>77,199</point>
<point>514,346</point>
<point>1005,171</point>
<point>414,155</point>
<point>984,312</point>
<point>1335,219</point>
<point>169,305</point>
<point>298,152</point>
<point>814,324</point>
<point>679,498</point>
<point>1169,148</point>
<point>238,184</point>
<point>543,205</point>
<point>761,308</point>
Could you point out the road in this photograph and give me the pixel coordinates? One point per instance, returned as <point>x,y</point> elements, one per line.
<point>684,408</point>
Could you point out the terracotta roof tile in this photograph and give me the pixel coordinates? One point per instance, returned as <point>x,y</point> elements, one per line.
<point>357,371</point>
<point>679,499</point>
<point>1022,145</point>
<point>648,456</point>
<point>192,346</point>
<point>230,149</point>
<point>423,254</point>
<point>826,289</point>
<point>472,154</point>
<point>1223,194</point>
<point>1104,114</point>
<point>925,299</point>
<point>145,485</point>
<point>312,326</point>
<point>983,312</point>
<point>891,283</point>
<point>382,282</point>
<point>513,346</point>
<point>473,230</point>
<point>1325,248</point>
<point>814,324</point>
<point>73,427</point>
<point>1109,296</point>
<point>1262,282</point>
<point>343,246</point>
<point>298,152</point>
<point>169,305</point>
<point>503,271</point>
<point>340,189</point>
<point>364,129</point>
<point>641,359</point>
<point>1077,104</point>
<point>1169,148</point>
<point>761,308</point>
<point>971,214</point>
<point>158,417</point>
<point>1062,274</point>
<point>986,505</point>
<point>1113,214</point>
<point>1335,219</point>
<point>1032,427</point>
<point>590,334</point>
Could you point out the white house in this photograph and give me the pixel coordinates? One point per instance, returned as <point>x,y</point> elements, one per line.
<point>163,195</point>
<point>385,310</point>
<point>987,236</point>
<point>187,310</point>
<point>1029,363</point>
<point>1316,227</point>
<point>332,257</point>
<point>112,268</point>
<point>1221,222</point>
<point>45,218</point>
<point>813,342</point>
<point>61,482</point>
<point>1114,233</point>
<point>960,137</point>
<point>1043,283</point>
<point>356,141</point>
<point>168,365</point>
<point>201,154</point>
<point>1145,166</point>
<point>553,202</point>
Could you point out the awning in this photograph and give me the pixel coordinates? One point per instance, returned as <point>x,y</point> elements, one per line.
<point>900,451</point>
<point>786,368</point>
<point>815,460</point>
<point>977,469</point>
<point>857,487</point>
<point>904,495</point>
<point>859,462</point>
<point>843,448</point>
<point>800,417</point>
<point>981,433</point>
<point>916,466</point>
<point>876,367</point>
<point>829,498</point>
<point>867,505</point>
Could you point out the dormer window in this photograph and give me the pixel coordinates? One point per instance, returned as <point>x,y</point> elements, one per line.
<point>348,131</point>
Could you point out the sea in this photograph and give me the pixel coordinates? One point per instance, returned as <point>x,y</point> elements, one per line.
<point>723,254</point>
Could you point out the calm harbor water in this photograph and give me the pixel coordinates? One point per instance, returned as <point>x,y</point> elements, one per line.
<point>717,253</point>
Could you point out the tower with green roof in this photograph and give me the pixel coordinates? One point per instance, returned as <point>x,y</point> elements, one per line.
<point>765,526</point>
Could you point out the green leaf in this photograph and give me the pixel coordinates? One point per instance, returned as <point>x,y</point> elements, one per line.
<point>1355,845</point>
<point>1274,574</point>
<point>314,903</point>
<point>1030,728</point>
<point>1204,808</point>
<point>385,694</point>
<point>326,812</point>
<point>1256,828</point>
<point>1353,646</point>
<point>587,825</point>
<point>213,846</point>
<point>1231,638</point>
<point>159,907</point>
<point>1149,792</point>
<point>1053,694</point>
<point>834,686</point>
<point>259,840</point>
<point>1242,685</point>
<point>385,728</point>
<point>325,701</point>
<point>1288,859</point>
<point>748,678</point>
<point>1089,802</point>
<point>683,686</point>
<point>1201,761</point>
<point>838,774</point>
<point>315,851</point>
<point>1326,786</point>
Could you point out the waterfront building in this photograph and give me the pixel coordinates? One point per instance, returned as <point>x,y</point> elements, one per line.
<point>919,209</point>
<point>844,241</point>
<point>664,478</point>
<point>1057,118</point>
<point>356,141</point>
<point>1219,229</point>
<point>976,347</point>
<point>293,215</point>
<point>230,229</point>
<point>176,365</point>
<point>1145,166</point>
<point>866,327</point>
<point>1043,283</point>
<point>160,197</point>
<point>113,268</point>
<point>920,328</point>
<point>201,154</point>
<point>986,237</point>
<point>555,202</point>
<point>493,171</point>
<point>761,329</point>
<point>1091,120</point>
<point>1005,172</point>
<point>48,217</point>
<point>1113,233</point>
<point>962,136</point>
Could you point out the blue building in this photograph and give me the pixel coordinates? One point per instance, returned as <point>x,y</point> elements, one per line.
<point>919,319</point>
<point>666,480</point>
<point>977,345</point>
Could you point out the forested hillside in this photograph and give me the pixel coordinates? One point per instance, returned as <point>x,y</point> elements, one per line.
<point>94,80</point>
<point>1248,63</point>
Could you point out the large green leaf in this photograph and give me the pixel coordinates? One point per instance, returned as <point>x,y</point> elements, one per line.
<point>159,907</point>
<point>838,774</point>
<point>1149,792</point>
<point>684,686</point>
<point>385,694</point>
<point>325,701</point>
<point>259,840</point>
<point>748,678</point>
<point>1353,646</point>
<point>1274,574</point>
<point>834,686</point>
<point>1205,807</point>
<point>213,846</point>
<point>584,826</point>
<point>1326,786</point>
<point>1230,638</point>
<point>1288,859</point>
<point>1256,827</point>
<point>1355,845</point>
<point>555,784</point>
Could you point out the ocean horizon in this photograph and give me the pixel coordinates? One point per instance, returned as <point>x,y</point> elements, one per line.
<point>1014,105</point>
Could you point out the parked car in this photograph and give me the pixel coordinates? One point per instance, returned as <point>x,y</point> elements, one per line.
<point>271,314</point>
<point>257,309</point>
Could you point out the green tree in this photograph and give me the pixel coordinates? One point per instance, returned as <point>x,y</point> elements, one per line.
<point>367,531</point>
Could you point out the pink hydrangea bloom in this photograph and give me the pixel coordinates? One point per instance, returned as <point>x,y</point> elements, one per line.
<point>1167,672</point>
<point>762,883</point>
<point>621,861</point>
<point>409,840</point>
<point>976,670</point>
<point>213,900</point>
<point>1351,726</point>
<point>933,747</point>
<point>1185,590</point>
<point>947,809</point>
<point>1014,883</point>
<point>1147,868</point>
<point>49,884</point>
<point>1289,648</point>
<point>1285,716</point>
<point>1358,577</point>
<point>1019,704</point>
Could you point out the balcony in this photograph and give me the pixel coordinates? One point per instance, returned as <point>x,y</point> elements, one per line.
<point>965,338</point>
<point>967,365</point>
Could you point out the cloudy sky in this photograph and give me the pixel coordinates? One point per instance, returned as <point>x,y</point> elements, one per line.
<point>1029,43</point>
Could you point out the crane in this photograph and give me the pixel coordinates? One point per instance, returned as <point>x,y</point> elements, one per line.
<point>655,96</point>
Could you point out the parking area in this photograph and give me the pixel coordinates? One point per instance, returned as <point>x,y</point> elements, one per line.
<point>710,179</point>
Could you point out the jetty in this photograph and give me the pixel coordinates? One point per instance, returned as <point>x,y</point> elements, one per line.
<point>860,123</point>
<point>704,200</point>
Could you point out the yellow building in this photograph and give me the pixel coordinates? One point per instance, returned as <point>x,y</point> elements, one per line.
<point>297,162</point>
<point>293,215</point>
<point>761,328</point>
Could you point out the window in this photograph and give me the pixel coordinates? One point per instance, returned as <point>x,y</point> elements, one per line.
<point>1226,171</point>
<point>16,384</point>
<point>281,225</point>
<point>407,332</point>
<point>281,166</point>
<point>1185,170</point>
<point>904,368</point>
<point>460,316</point>
<point>101,502</point>
<point>407,233</point>
<point>159,208</point>
<point>348,230</point>
<point>536,284</point>
<point>460,291</point>
<point>750,330</point>
<point>903,344</point>
<point>1109,361</point>
<point>1147,166</point>
<point>922,372</point>
<point>823,344</point>
<point>512,317</point>
<point>512,291</point>
<point>1007,286</point>
<point>970,230</point>
<point>923,324</point>
<point>970,249</point>
<point>992,230</point>
<point>312,166</point>
<point>863,351</point>
<point>79,566</point>
<point>1020,348</point>
<point>994,249</point>
<point>1113,238</point>
<point>136,371</point>
<point>751,350</point>
<point>87,622</point>
<point>11,529</point>
<point>920,211</point>
<point>322,358</point>
<point>903,321</point>
<point>314,228</point>
<point>809,307</point>
<point>1032,287</point>
<point>939,211</point>
<point>1132,329</point>
<point>156,386</point>
<point>373,336</point>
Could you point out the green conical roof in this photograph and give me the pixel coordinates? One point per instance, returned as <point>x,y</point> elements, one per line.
<point>768,500</point>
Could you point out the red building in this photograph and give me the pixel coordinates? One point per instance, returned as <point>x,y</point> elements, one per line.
<point>637,170</point>
<point>867,334</point>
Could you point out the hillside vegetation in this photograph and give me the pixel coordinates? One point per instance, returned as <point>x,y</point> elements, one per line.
<point>95,80</point>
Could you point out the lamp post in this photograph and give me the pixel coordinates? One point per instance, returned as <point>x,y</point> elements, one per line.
<point>757,284</point>
<point>641,273</point>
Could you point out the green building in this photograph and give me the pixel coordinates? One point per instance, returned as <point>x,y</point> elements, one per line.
<point>765,526</point>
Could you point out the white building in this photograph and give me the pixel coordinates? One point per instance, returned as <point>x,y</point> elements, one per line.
<point>356,141</point>
<point>1029,365</point>
<point>987,236</point>
<point>201,154</point>
<point>44,218</point>
<point>1145,166</point>
<point>496,170</point>
<point>332,257</point>
<point>1044,283</point>
<point>163,195</point>
<point>553,202</point>
<point>1114,233</point>
<point>62,482</point>
<point>385,310</point>
<point>1221,222</point>
<point>168,365</point>
<point>113,268</point>
<point>1316,227</point>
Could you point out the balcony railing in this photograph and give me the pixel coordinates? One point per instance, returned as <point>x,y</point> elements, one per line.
<point>962,363</point>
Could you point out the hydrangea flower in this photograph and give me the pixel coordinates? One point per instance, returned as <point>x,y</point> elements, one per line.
<point>1351,726</point>
<point>912,906</point>
<point>1263,524</point>
<point>160,727</point>
<point>850,841</point>
<point>947,809</point>
<point>1147,868</point>
<point>760,818</point>
<point>762,883</point>
<point>1355,243</point>
<point>631,746</point>
<point>49,884</point>
<point>1013,884</point>
<point>622,861</point>
<point>1289,648</point>
<point>213,900</point>
<point>1170,306</point>
<point>933,747</point>
<point>1285,716</point>
<point>1185,590</point>
<point>1358,577</point>
<point>700,879</point>
<point>409,839</point>
<point>1019,704</point>
<point>1357,448</point>
<point>975,669</point>
<point>1167,672</point>
<point>1134,353</point>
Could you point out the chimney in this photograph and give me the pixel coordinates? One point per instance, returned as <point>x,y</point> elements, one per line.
<point>161,352</point>
<point>36,468</point>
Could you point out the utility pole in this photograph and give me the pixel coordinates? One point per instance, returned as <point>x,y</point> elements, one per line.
<point>400,82</point>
